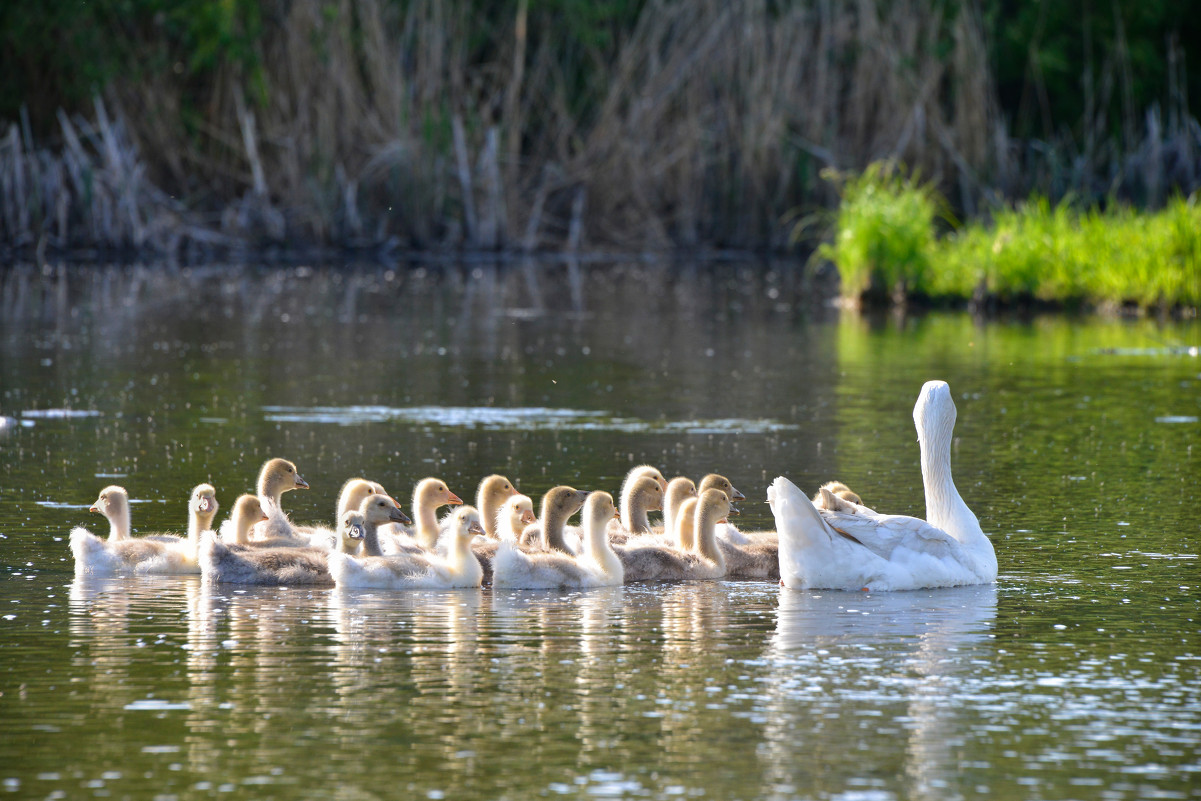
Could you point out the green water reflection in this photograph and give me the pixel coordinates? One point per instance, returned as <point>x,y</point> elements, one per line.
<point>1076,676</point>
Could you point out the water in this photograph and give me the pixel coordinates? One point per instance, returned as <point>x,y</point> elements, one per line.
<point>1077,675</point>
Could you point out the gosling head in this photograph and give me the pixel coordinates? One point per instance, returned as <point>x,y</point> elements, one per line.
<point>563,501</point>
<point>352,527</point>
<point>599,509</point>
<point>518,511</point>
<point>465,522</point>
<point>203,504</point>
<point>112,502</point>
<point>431,493</point>
<point>647,493</point>
<point>716,505</point>
<point>647,471</point>
<point>715,481</point>
<point>377,509</point>
<point>278,476</point>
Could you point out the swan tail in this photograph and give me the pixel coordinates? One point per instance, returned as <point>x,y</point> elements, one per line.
<point>802,530</point>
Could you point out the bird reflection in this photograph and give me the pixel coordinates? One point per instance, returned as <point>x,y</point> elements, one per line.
<point>837,656</point>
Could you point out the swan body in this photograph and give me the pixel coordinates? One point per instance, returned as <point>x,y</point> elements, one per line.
<point>403,572</point>
<point>155,554</point>
<point>667,563</point>
<point>597,566</point>
<point>837,550</point>
<point>288,566</point>
<point>493,492</point>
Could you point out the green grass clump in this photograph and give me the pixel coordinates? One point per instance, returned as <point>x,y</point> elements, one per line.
<point>884,233</point>
<point>885,240</point>
<point>1060,254</point>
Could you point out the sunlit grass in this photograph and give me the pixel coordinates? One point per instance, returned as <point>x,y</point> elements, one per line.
<point>885,238</point>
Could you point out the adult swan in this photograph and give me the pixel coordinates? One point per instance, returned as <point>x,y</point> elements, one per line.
<point>859,549</point>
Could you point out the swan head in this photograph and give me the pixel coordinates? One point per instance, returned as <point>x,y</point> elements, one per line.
<point>720,482</point>
<point>278,476</point>
<point>203,503</point>
<point>380,508</point>
<point>465,523</point>
<point>112,502</point>
<point>934,413</point>
<point>647,493</point>
<point>647,471</point>
<point>430,493</point>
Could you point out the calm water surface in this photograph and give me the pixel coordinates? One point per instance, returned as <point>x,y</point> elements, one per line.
<point>1076,676</point>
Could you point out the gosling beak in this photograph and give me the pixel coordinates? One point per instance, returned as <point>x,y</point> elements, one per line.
<point>355,532</point>
<point>301,483</point>
<point>737,496</point>
<point>398,516</point>
<point>93,508</point>
<point>528,517</point>
<point>733,512</point>
<point>453,500</point>
<point>475,528</point>
<point>205,506</point>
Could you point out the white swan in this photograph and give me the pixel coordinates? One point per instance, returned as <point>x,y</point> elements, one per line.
<point>285,566</point>
<point>402,572</point>
<point>835,550</point>
<point>156,554</point>
<point>597,566</point>
<point>490,496</point>
<point>662,562</point>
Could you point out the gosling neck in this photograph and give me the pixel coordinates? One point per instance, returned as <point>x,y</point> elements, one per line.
<point>706,537</point>
<point>553,523</point>
<point>371,546</point>
<point>427,524</point>
<point>462,559</point>
<point>596,544</point>
<point>118,525</point>
<point>196,524</point>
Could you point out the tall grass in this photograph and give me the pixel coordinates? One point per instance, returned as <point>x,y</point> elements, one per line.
<point>885,239</point>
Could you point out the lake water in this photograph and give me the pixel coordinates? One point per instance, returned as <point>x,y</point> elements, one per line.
<point>1076,676</point>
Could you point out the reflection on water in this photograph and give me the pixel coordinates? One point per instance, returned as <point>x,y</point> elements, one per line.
<point>1077,676</point>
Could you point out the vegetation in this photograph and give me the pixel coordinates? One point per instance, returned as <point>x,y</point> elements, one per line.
<point>180,127</point>
<point>885,239</point>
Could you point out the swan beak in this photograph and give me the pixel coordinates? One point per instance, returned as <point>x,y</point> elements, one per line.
<point>737,496</point>
<point>398,516</point>
<point>301,483</point>
<point>453,500</point>
<point>475,528</point>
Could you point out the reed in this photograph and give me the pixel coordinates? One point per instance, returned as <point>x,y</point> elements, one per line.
<point>642,125</point>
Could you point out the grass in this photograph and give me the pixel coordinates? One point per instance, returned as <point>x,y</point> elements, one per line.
<point>885,238</point>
